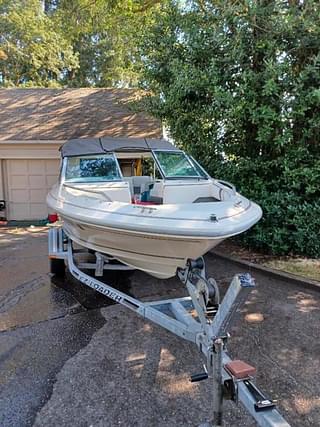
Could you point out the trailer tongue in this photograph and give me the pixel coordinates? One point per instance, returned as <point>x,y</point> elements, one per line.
<point>232,380</point>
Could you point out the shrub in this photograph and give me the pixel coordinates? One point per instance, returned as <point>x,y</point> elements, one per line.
<point>237,83</point>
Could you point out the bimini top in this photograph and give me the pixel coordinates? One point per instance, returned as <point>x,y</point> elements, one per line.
<point>85,146</point>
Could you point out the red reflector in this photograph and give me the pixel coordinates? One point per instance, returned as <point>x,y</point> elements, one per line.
<point>53,217</point>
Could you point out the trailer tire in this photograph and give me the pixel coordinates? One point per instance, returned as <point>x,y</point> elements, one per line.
<point>57,267</point>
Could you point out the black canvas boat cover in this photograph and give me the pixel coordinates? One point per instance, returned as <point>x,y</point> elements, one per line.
<point>85,146</point>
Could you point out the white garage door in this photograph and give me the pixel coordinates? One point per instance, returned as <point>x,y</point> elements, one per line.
<point>28,182</point>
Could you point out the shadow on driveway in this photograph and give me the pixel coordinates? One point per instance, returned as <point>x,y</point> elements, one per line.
<point>69,358</point>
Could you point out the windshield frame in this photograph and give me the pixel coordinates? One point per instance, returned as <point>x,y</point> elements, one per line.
<point>109,154</point>
<point>197,164</point>
<point>188,158</point>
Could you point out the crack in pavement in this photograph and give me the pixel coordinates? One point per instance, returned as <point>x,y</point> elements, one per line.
<point>71,312</point>
<point>14,296</point>
<point>36,356</point>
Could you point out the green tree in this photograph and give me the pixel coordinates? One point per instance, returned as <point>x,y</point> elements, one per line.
<point>237,83</point>
<point>31,50</point>
<point>75,43</point>
<point>104,33</point>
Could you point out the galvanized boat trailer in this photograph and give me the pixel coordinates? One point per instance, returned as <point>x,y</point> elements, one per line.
<point>200,318</point>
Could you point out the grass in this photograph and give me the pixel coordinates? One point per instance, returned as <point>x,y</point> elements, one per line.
<point>299,266</point>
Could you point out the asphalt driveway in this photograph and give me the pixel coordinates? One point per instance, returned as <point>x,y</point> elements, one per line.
<point>68,358</point>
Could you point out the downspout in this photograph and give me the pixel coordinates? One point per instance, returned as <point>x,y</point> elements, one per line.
<point>2,192</point>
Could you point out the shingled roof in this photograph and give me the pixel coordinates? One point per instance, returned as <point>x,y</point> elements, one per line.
<point>61,114</point>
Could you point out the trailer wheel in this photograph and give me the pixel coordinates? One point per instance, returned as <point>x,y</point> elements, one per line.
<point>57,267</point>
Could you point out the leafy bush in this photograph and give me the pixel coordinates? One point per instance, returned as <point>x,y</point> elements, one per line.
<point>237,83</point>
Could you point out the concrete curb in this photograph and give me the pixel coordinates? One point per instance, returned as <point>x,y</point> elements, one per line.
<point>277,274</point>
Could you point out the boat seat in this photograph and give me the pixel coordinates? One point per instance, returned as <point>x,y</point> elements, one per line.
<point>141,184</point>
<point>138,184</point>
<point>129,180</point>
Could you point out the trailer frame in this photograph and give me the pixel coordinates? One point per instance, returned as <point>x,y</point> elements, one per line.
<point>208,330</point>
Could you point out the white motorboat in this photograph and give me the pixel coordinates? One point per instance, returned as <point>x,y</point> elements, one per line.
<point>145,202</point>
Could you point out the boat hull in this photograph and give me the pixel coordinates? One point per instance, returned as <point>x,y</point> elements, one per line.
<point>156,254</point>
<point>157,239</point>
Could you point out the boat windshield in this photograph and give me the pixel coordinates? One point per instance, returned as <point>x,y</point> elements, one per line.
<point>176,164</point>
<point>92,168</point>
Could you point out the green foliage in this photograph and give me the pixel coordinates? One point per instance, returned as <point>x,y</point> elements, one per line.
<point>105,34</point>
<point>32,50</point>
<point>75,43</point>
<point>238,84</point>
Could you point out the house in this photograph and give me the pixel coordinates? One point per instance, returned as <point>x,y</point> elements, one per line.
<point>34,123</point>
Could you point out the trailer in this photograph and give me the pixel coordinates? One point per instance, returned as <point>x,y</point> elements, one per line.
<point>200,318</point>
